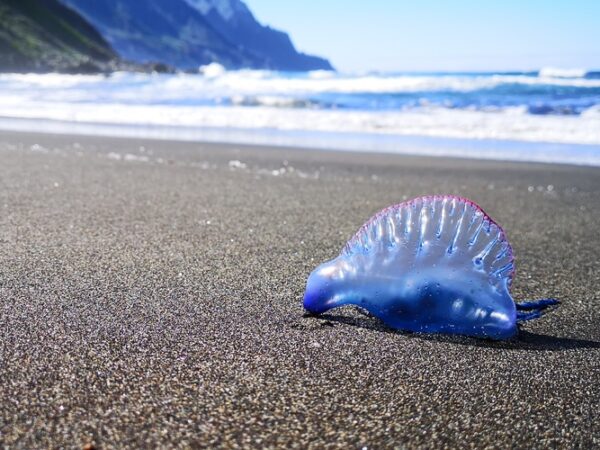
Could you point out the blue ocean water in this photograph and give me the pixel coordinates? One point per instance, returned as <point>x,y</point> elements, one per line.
<point>535,93</point>
<point>558,108</point>
<point>537,98</point>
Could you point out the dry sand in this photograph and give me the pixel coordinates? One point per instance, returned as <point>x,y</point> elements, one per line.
<point>150,296</point>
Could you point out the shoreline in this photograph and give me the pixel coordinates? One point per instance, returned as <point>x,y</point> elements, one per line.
<point>150,296</point>
<point>500,150</point>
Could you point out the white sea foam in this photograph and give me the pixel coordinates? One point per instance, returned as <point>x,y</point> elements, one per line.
<point>509,124</point>
<point>557,72</point>
<point>212,70</point>
<point>255,82</point>
<point>262,100</point>
<point>592,112</point>
<point>242,83</point>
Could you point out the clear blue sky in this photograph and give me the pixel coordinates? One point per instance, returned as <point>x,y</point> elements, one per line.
<point>441,35</point>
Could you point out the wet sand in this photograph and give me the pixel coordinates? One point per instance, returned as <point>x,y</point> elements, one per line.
<point>150,296</point>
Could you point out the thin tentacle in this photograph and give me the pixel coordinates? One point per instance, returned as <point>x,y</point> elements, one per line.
<point>534,309</point>
<point>523,317</point>
<point>540,304</point>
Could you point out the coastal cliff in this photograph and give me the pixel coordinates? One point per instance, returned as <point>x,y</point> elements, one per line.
<point>46,36</point>
<point>189,33</point>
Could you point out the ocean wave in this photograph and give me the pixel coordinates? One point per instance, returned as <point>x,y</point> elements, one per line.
<point>592,112</point>
<point>556,72</point>
<point>558,108</point>
<point>241,82</point>
<point>470,106</point>
<point>552,72</point>
<point>253,82</point>
<point>263,88</point>
<point>275,101</point>
<point>510,124</point>
<point>593,75</point>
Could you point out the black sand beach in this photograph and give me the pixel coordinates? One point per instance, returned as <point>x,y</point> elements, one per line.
<point>150,296</point>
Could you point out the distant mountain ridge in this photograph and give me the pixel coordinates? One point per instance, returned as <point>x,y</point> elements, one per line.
<point>227,9</point>
<point>44,35</point>
<point>233,19</point>
<point>189,33</point>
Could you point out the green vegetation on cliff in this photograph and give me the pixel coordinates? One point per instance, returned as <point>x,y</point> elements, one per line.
<point>44,35</point>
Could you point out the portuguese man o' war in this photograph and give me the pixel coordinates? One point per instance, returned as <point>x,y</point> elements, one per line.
<point>436,264</point>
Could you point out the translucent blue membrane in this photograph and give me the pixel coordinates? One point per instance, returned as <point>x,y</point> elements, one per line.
<point>434,264</point>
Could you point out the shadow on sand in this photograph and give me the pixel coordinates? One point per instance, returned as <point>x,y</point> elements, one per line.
<point>525,340</point>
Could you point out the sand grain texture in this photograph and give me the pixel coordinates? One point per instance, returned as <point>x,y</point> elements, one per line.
<point>150,296</point>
